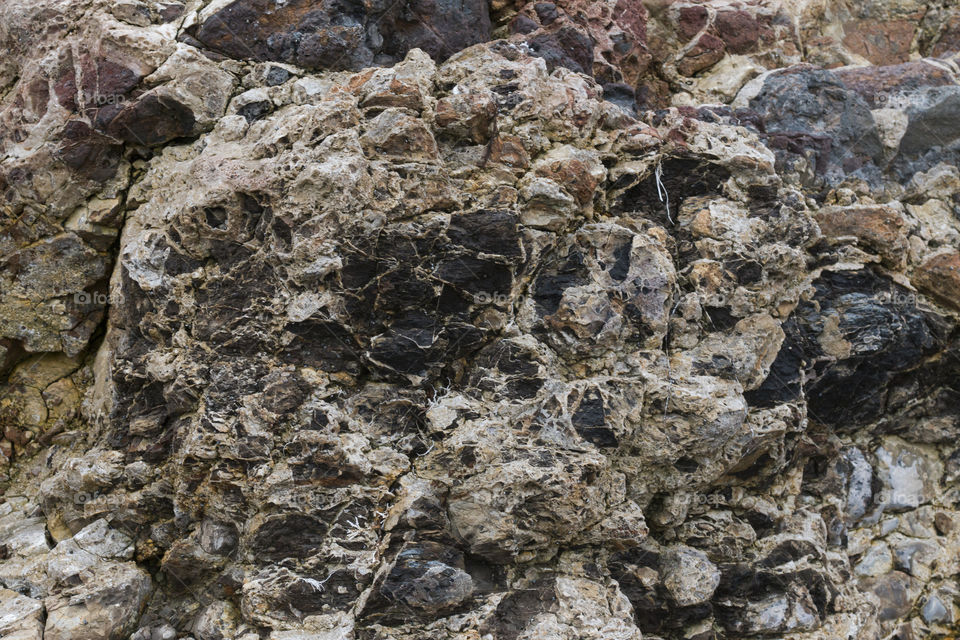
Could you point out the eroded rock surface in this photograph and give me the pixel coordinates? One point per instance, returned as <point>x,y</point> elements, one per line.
<point>575,320</point>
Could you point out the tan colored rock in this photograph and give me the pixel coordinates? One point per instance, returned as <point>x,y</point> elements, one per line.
<point>107,604</point>
<point>21,618</point>
<point>399,136</point>
<point>467,114</point>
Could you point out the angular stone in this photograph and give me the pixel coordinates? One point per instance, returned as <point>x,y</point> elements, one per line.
<point>939,276</point>
<point>917,558</point>
<point>21,618</point>
<point>708,50</point>
<point>860,483</point>
<point>396,135</point>
<point>932,121</point>
<point>739,30</point>
<point>934,610</point>
<point>896,592</point>
<point>882,42</point>
<point>23,536</point>
<point>105,606</point>
<point>876,561</point>
<point>908,475</point>
<point>89,153</point>
<point>810,113</point>
<point>568,47</point>
<point>421,581</point>
<point>467,114</point>
<point>154,119</point>
<point>870,348</point>
<point>890,86</point>
<point>423,350</point>
<point>779,614</point>
<point>880,229</point>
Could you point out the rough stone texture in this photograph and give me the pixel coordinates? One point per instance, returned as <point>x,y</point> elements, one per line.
<point>471,321</point>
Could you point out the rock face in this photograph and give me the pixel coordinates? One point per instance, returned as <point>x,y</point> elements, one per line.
<point>575,320</point>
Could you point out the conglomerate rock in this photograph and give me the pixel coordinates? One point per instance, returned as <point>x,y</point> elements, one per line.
<point>479,321</point>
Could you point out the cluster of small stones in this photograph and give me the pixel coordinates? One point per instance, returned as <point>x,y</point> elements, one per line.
<point>382,320</point>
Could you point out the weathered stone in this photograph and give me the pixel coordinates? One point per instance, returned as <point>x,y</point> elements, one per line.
<point>934,610</point>
<point>708,50</point>
<point>880,42</point>
<point>153,119</point>
<point>889,86</point>
<point>689,577</point>
<point>21,618</point>
<point>909,477</point>
<point>419,579</point>
<point>106,604</point>
<point>334,37</point>
<point>866,357</point>
<point>880,229</point>
<point>895,592</point>
<point>467,115</point>
<point>397,135</point>
<point>810,113</point>
<point>876,561</point>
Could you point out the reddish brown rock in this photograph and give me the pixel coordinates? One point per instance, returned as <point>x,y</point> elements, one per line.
<point>708,51</point>
<point>878,228</point>
<point>597,38</point>
<point>90,154</point>
<point>152,120</point>
<point>397,94</point>
<point>575,177</point>
<point>738,29</point>
<point>66,83</point>
<point>472,115</point>
<point>691,21</point>
<point>101,83</point>
<point>105,81</point>
<point>631,16</point>
<point>939,276</point>
<point>507,150</point>
<point>882,42</point>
